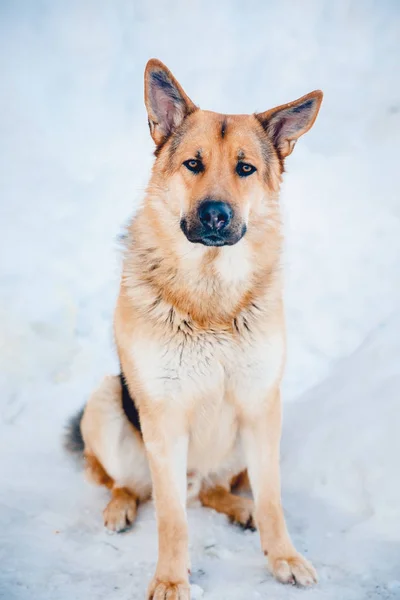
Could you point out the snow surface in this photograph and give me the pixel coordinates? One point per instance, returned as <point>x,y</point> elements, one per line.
<point>74,159</point>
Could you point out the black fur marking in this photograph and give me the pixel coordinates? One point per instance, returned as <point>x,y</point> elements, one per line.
<point>176,138</point>
<point>128,404</point>
<point>245,323</point>
<point>155,265</point>
<point>277,132</point>
<point>171,316</point>
<point>265,148</point>
<point>248,526</point>
<point>305,106</point>
<point>223,129</point>
<point>160,146</point>
<point>187,325</point>
<point>156,302</point>
<point>73,441</point>
<point>175,141</point>
<point>161,80</point>
<point>280,158</point>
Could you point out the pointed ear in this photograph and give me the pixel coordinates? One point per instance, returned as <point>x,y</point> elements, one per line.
<point>285,124</point>
<point>166,103</point>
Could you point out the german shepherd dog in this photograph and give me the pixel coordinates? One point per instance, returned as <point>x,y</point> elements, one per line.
<point>200,334</point>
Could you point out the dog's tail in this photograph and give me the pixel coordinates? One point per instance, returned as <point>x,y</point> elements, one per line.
<point>73,439</point>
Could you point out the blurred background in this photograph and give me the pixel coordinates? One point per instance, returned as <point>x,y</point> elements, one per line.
<point>75,156</point>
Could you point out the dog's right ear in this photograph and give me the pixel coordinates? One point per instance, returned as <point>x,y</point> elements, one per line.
<point>166,102</point>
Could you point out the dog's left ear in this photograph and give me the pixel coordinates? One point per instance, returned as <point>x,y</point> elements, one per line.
<point>285,124</point>
<point>166,102</point>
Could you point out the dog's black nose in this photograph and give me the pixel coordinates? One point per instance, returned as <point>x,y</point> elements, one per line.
<point>215,215</point>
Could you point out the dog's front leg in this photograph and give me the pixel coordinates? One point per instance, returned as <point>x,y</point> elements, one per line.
<point>166,445</point>
<point>261,432</point>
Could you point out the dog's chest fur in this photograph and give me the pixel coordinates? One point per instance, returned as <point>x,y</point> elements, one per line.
<point>214,377</point>
<point>206,342</point>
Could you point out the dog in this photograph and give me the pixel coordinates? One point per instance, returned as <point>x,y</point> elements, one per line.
<point>200,333</point>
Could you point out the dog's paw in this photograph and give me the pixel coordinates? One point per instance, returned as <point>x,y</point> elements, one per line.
<point>295,570</point>
<point>120,512</point>
<point>243,514</point>
<point>168,590</point>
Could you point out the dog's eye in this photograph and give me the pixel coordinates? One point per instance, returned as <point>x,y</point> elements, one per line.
<point>244,169</point>
<point>196,166</point>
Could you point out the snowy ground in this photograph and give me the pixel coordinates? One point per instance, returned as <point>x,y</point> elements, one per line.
<point>74,159</point>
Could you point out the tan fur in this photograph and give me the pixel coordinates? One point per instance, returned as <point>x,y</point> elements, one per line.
<point>238,508</point>
<point>120,512</point>
<point>114,450</point>
<point>95,472</point>
<point>200,335</point>
<point>240,482</point>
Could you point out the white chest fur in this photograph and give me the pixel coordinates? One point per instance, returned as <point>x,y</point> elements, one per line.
<point>212,377</point>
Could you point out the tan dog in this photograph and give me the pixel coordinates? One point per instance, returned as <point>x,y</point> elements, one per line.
<point>200,332</point>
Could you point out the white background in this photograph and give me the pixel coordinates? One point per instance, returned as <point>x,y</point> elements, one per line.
<point>75,156</point>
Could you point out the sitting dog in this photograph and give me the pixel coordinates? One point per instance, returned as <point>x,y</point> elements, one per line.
<point>200,334</point>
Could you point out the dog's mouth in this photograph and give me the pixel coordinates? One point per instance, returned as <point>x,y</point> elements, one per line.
<point>212,240</point>
<point>197,235</point>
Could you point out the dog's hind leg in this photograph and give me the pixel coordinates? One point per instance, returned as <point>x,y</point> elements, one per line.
<point>120,512</point>
<point>95,472</point>
<point>114,454</point>
<point>238,508</point>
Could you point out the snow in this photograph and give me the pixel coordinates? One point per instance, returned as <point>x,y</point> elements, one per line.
<point>74,160</point>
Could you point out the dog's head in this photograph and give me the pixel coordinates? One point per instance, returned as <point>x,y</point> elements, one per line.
<point>221,173</point>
